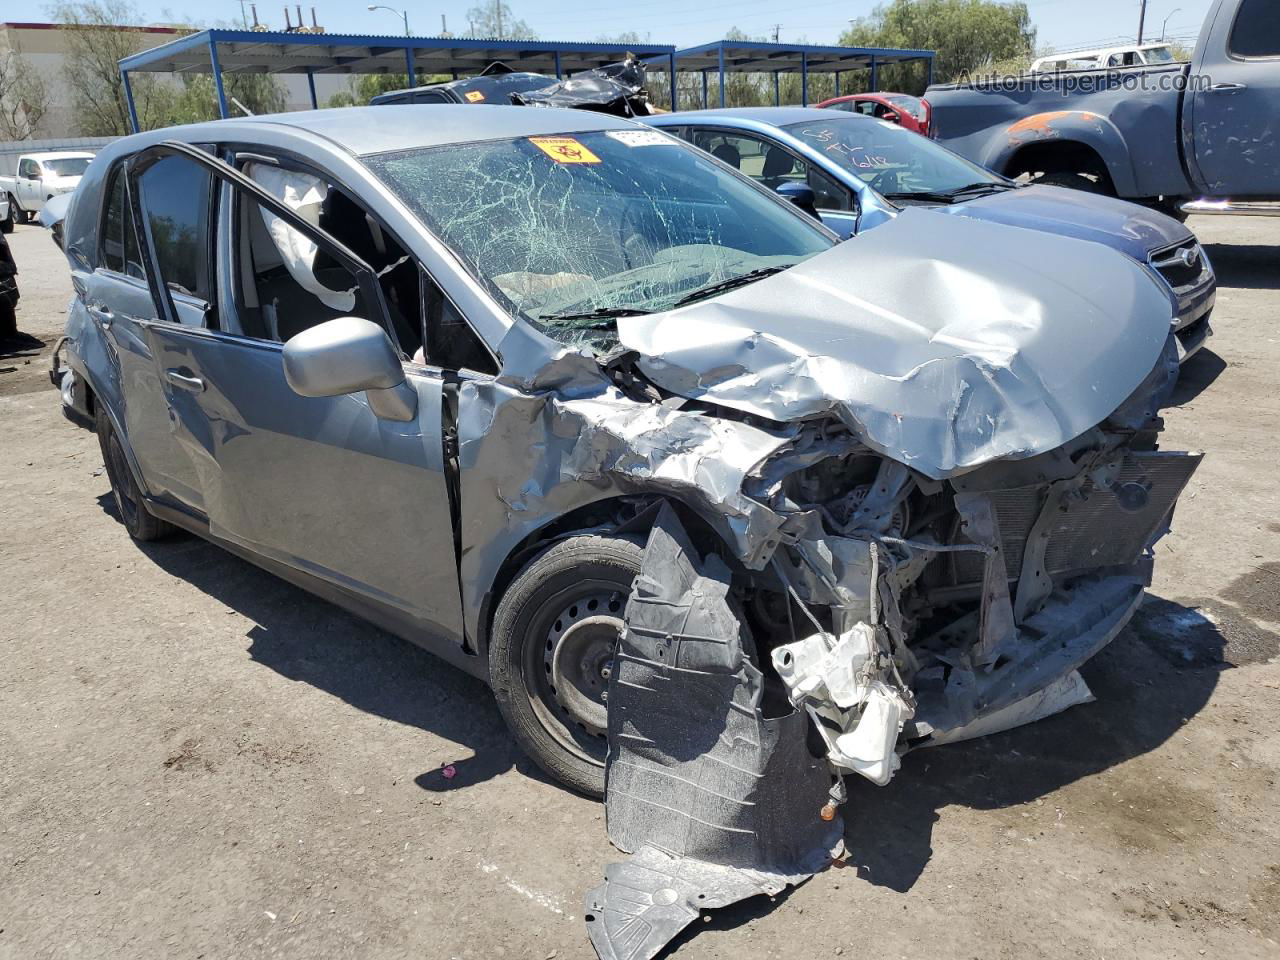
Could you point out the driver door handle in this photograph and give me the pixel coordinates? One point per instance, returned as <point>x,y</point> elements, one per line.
<point>184,382</point>
<point>1226,87</point>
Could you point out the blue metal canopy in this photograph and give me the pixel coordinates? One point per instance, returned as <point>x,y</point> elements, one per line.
<point>749,56</point>
<point>249,51</point>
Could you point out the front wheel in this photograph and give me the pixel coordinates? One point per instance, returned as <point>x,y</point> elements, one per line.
<point>554,638</point>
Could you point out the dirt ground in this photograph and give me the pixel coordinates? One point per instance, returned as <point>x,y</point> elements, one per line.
<point>198,760</point>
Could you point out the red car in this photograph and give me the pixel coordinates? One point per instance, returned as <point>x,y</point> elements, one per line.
<point>900,108</point>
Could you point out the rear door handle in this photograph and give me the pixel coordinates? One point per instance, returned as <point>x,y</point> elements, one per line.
<point>102,314</point>
<point>1226,87</point>
<point>184,382</point>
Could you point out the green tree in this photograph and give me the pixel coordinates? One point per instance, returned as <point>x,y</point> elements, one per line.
<point>364,88</point>
<point>968,36</point>
<point>99,34</point>
<point>197,99</point>
<point>102,32</point>
<point>493,20</point>
<point>23,98</point>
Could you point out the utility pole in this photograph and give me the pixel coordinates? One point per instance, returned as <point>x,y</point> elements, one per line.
<point>1142,16</point>
<point>497,6</point>
<point>776,28</point>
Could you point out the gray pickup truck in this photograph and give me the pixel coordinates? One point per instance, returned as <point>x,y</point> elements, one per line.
<point>1198,137</point>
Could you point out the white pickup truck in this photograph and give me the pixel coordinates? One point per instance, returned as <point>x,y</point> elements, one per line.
<point>41,177</point>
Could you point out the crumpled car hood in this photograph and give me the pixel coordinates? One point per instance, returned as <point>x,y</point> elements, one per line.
<point>944,343</point>
<point>1135,229</point>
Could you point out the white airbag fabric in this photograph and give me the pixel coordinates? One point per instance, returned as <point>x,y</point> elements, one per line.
<point>305,195</point>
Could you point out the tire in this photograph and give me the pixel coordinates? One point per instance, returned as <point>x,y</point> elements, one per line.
<point>8,320</point>
<point>142,526</point>
<point>554,634</point>
<point>16,214</point>
<point>1072,181</point>
<point>6,225</point>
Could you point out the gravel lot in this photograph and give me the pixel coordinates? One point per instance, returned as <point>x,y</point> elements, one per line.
<point>198,760</point>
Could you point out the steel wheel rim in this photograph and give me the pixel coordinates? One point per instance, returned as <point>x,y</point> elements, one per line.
<point>568,659</point>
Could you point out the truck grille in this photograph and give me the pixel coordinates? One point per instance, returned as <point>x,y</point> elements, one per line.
<point>1108,527</point>
<point>1183,265</point>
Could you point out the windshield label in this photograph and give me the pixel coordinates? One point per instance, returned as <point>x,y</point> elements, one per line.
<point>473,96</point>
<point>640,138</point>
<point>564,150</point>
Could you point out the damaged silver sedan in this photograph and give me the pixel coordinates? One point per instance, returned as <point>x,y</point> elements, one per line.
<point>723,509</point>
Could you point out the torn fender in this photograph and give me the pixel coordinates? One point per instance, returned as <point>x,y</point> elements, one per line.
<point>944,344</point>
<point>528,459</point>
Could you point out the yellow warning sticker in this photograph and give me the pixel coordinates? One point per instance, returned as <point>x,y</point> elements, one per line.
<point>473,96</point>
<point>564,150</point>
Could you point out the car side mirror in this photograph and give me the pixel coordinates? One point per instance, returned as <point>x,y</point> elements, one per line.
<point>892,116</point>
<point>31,175</point>
<point>348,355</point>
<point>800,194</point>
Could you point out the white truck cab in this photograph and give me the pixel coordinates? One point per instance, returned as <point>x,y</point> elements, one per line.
<point>41,177</point>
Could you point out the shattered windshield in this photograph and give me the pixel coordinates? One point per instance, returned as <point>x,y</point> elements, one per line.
<point>891,159</point>
<point>572,232</point>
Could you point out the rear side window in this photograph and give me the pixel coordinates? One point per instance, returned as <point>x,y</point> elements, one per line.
<point>119,234</point>
<point>1256,32</point>
<point>176,200</point>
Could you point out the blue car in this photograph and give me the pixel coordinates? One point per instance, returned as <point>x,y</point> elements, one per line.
<point>855,173</point>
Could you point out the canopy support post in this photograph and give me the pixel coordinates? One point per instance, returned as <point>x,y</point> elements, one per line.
<point>721,52</point>
<point>128,100</point>
<point>216,66</point>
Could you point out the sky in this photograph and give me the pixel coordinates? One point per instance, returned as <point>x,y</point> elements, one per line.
<point>1062,24</point>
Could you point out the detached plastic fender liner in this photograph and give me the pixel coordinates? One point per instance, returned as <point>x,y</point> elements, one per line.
<point>717,801</point>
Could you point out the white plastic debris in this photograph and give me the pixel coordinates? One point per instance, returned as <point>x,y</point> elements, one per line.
<point>843,685</point>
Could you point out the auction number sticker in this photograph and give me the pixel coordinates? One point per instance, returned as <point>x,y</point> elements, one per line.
<point>640,138</point>
<point>564,150</point>
<point>473,96</point>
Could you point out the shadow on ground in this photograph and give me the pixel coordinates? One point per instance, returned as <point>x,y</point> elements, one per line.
<point>20,345</point>
<point>1157,674</point>
<point>1252,266</point>
<point>1197,374</point>
<point>309,640</point>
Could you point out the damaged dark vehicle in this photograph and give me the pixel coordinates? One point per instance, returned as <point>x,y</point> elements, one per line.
<point>616,88</point>
<point>701,491</point>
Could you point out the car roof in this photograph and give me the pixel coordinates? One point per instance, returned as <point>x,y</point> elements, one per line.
<point>776,116</point>
<point>369,130</point>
